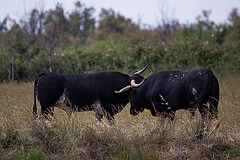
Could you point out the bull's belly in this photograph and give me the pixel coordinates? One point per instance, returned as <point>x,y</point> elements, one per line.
<point>176,105</point>
<point>69,109</point>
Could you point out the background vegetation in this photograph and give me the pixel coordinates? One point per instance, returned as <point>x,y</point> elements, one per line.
<point>74,42</point>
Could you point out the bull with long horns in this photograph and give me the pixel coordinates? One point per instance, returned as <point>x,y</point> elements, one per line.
<point>84,92</point>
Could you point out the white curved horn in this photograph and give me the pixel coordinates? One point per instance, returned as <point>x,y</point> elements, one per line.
<point>142,70</point>
<point>123,89</point>
<point>133,83</point>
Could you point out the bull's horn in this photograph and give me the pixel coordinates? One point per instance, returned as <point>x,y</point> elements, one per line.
<point>142,70</point>
<point>133,83</point>
<point>123,89</point>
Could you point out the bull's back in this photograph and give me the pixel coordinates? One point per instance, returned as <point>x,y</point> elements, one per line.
<point>86,89</point>
<point>177,87</point>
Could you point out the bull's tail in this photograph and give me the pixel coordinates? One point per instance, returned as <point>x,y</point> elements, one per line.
<point>214,96</point>
<point>38,77</point>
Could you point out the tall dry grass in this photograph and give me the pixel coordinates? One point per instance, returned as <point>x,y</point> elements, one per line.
<point>130,137</point>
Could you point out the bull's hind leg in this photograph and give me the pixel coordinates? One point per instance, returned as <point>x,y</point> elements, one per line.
<point>201,101</point>
<point>45,111</point>
<point>214,99</point>
<point>203,109</point>
<point>48,103</point>
<point>97,108</point>
<point>51,112</point>
<point>213,110</point>
<point>192,109</point>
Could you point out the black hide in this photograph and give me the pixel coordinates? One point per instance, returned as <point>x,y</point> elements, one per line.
<point>80,92</point>
<point>169,91</point>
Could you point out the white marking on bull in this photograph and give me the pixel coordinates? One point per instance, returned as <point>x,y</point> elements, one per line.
<point>62,98</point>
<point>183,76</point>
<point>170,77</point>
<point>194,91</point>
<point>163,99</point>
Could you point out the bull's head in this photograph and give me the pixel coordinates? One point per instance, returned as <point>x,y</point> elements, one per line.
<point>135,81</point>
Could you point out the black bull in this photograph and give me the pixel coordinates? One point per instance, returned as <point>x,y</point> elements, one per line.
<point>168,91</point>
<point>84,92</point>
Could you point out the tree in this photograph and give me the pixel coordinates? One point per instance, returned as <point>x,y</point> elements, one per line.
<point>234,33</point>
<point>54,32</point>
<point>81,21</point>
<point>3,24</point>
<point>168,24</point>
<point>88,26</point>
<point>234,18</point>
<point>10,37</point>
<point>114,25</point>
<point>4,60</point>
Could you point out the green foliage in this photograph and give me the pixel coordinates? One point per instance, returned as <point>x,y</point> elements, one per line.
<point>71,44</point>
<point>233,35</point>
<point>114,25</point>
<point>81,21</point>
<point>125,152</point>
<point>28,155</point>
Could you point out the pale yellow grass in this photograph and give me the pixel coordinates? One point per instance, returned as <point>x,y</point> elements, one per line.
<point>130,137</point>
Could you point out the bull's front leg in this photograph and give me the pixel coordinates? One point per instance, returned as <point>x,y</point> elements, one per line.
<point>97,108</point>
<point>98,117</point>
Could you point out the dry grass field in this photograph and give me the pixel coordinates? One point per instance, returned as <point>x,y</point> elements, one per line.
<point>130,137</point>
